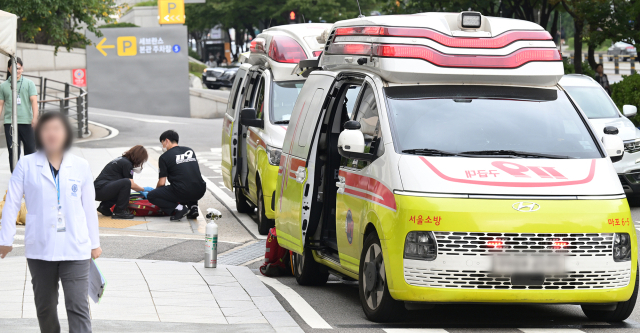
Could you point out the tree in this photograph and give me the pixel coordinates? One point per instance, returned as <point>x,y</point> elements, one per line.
<point>60,22</point>
<point>200,19</point>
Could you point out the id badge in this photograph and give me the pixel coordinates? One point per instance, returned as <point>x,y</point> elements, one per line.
<point>61,223</point>
<point>19,101</point>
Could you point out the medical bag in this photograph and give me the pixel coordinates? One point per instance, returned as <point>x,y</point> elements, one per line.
<point>139,206</point>
<point>276,258</point>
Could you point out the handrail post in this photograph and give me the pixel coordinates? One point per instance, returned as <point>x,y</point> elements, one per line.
<point>66,96</point>
<point>86,111</point>
<point>80,117</point>
<point>43,95</point>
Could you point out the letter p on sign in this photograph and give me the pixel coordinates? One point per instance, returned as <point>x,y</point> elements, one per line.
<point>127,46</point>
<point>171,11</point>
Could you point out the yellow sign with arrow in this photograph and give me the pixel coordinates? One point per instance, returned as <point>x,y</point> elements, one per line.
<point>171,11</point>
<point>101,46</point>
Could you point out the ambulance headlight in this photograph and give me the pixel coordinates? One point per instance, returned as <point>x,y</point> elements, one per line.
<point>274,155</point>
<point>621,247</point>
<point>420,245</point>
<point>470,20</point>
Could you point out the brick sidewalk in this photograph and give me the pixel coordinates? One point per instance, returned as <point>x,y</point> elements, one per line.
<point>163,294</point>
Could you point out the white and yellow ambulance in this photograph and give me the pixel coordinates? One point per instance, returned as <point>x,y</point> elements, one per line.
<point>260,104</point>
<point>434,158</point>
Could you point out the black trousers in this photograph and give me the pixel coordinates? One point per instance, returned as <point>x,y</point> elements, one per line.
<point>115,193</point>
<point>167,198</point>
<point>26,137</point>
<point>74,276</point>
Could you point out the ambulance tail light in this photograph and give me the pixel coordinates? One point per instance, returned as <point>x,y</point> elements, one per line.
<point>257,45</point>
<point>496,42</point>
<point>317,53</point>
<point>286,49</point>
<point>420,245</point>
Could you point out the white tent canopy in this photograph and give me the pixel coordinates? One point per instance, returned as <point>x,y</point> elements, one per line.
<point>8,31</point>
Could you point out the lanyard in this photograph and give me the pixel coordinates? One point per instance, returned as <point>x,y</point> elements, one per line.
<point>56,180</point>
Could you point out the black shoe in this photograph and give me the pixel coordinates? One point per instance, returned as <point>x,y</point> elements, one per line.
<point>193,213</point>
<point>124,215</point>
<point>104,210</point>
<point>180,213</point>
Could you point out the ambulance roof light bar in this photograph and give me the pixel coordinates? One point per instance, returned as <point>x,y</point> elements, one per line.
<point>496,42</point>
<point>281,49</point>
<point>513,60</point>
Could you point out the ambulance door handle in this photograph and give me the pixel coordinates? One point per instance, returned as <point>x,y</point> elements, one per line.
<point>341,184</point>
<point>300,175</point>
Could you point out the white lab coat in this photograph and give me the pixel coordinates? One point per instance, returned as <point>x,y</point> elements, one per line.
<point>32,178</point>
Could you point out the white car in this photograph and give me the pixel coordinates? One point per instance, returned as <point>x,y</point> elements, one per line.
<point>602,112</point>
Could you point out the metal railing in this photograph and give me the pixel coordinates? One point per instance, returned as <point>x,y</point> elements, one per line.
<point>70,100</point>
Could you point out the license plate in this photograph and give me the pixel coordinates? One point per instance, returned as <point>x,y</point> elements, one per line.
<point>528,264</point>
<point>211,79</point>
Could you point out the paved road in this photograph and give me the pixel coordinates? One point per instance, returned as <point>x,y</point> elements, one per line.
<point>337,303</point>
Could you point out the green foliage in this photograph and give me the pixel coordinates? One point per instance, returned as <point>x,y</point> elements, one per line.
<point>149,3</point>
<point>627,92</point>
<point>194,54</point>
<point>196,67</point>
<point>586,69</point>
<point>60,22</point>
<point>118,25</point>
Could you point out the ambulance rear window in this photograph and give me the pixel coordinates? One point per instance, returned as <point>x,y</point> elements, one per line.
<point>487,120</point>
<point>283,99</point>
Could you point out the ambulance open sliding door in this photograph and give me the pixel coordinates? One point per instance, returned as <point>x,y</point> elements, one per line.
<point>230,129</point>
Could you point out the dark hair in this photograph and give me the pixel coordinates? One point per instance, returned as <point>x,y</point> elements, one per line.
<point>18,60</point>
<point>137,155</point>
<point>171,135</point>
<point>52,116</point>
<point>599,65</point>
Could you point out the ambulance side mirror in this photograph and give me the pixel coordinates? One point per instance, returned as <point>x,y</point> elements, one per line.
<point>629,110</point>
<point>248,118</point>
<point>351,142</point>
<point>613,143</point>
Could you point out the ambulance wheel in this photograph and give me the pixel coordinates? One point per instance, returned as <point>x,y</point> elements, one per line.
<point>621,311</point>
<point>264,223</point>
<point>307,271</point>
<point>377,303</point>
<point>242,204</point>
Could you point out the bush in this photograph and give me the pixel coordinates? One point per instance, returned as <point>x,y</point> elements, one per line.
<point>149,3</point>
<point>586,69</point>
<point>196,68</point>
<point>193,54</point>
<point>627,92</point>
<point>119,25</point>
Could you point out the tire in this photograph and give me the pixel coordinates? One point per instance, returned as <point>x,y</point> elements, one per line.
<point>264,223</point>
<point>307,271</point>
<point>242,204</point>
<point>622,311</point>
<point>377,303</point>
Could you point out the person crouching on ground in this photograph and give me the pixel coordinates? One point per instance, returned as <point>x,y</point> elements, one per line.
<point>62,224</point>
<point>178,164</point>
<point>115,182</point>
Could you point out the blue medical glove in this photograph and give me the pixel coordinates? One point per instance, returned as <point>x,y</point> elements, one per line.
<point>144,194</point>
<point>148,189</point>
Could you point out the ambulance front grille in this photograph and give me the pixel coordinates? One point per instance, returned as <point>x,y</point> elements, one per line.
<point>470,279</point>
<point>484,243</point>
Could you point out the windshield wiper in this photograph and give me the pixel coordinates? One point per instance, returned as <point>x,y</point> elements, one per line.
<point>280,122</point>
<point>512,153</point>
<point>429,152</point>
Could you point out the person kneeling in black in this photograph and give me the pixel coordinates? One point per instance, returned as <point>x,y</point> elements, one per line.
<point>179,165</point>
<point>114,184</point>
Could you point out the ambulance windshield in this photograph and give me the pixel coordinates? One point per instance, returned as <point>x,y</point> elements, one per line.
<point>484,121</point>
<point>284,98</point>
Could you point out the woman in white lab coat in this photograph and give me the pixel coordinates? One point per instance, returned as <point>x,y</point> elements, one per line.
<point>61,233</point>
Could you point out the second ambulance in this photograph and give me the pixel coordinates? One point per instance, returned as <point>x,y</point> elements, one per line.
<point>434,158</point>
<point>260,104</point>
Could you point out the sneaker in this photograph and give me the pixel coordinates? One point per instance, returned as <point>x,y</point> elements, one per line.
<point>193,213</point>
<point>124,215</point>
<point>104,210</point>
<point>180,213</point>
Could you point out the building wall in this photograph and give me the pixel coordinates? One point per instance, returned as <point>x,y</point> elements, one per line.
<point>41,60</point>
<point>144,16</point>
